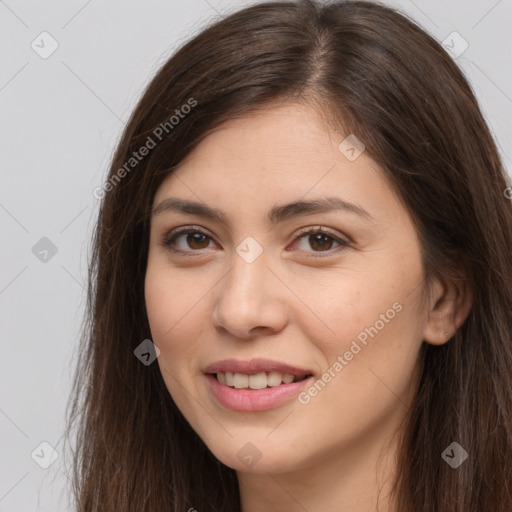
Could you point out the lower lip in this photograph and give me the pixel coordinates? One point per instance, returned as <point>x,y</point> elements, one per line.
<point>256,399</point>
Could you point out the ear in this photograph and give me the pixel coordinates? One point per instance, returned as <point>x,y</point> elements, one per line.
<point>449,306</point>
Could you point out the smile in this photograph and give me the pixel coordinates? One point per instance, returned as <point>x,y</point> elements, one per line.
<point>260,380</point>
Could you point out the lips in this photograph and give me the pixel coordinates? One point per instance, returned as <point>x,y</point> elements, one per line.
<point>255,385</point>
<point>255,366</point>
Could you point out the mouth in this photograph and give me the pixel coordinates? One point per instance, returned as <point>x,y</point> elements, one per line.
<point>257,381</point>
<point>255,385</point>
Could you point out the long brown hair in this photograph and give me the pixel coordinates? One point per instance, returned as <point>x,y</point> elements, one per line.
<point>370,71</point>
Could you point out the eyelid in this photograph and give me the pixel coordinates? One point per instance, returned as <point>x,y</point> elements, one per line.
<point>175,233</point>
<point>343,243</point>
<point>180,231</point>
<point>320,229</point>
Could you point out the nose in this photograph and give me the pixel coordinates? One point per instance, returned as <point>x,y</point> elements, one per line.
<point>250,300</point>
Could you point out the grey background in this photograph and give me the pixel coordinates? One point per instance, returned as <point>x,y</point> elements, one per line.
<point>61,118</point>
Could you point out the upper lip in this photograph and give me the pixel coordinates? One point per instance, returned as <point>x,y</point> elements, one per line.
<point>254,366</point>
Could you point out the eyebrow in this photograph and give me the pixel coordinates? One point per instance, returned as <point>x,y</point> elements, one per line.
<point>278,213</point>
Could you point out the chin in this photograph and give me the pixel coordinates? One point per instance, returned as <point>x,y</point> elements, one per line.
<point>256,456</point>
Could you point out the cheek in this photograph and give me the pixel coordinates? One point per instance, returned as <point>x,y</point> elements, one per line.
<point>177,319</point>
<point>339,308</point>
<point>159,306</point>
<point>169,300</point>
<point>365,383</point>
<point>370,321</point>
<point>166,316</point>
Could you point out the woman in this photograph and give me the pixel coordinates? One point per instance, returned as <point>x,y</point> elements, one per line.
<point>300,292</point>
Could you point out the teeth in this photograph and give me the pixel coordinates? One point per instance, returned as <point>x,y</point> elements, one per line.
<point>240,380</point>
<point>274,379</point>
<point>287,378</point>
<point>257,381</point>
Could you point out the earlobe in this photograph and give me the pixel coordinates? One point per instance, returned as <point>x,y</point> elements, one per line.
<point>450,306</point>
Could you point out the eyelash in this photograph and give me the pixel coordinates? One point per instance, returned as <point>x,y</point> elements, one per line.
<point>169,239</point>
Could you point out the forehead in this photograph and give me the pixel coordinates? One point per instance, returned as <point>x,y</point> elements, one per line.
<point>281,134</point>
<point>286,150</point>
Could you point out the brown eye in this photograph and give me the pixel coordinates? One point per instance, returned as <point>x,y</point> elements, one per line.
<point>195,240</point>
<point>318,239</point>
<point>321,240</point>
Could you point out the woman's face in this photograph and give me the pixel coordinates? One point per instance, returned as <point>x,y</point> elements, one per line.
<point>342,306</point>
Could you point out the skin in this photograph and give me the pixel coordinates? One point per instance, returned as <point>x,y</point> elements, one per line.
<point>304,306</point>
